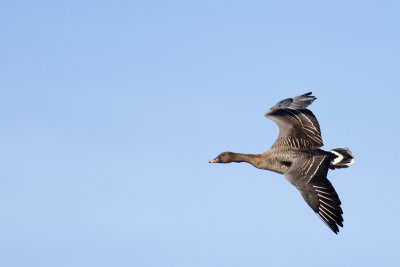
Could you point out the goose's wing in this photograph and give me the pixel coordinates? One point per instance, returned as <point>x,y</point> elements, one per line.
<point>308,174</point>
<point>298,126</point>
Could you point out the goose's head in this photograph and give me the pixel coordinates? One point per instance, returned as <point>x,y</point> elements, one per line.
<point>224,157</point>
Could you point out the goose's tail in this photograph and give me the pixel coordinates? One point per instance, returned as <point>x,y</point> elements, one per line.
<point>343,159</point>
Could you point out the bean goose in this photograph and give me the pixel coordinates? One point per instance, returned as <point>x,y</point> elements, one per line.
<point>297,155</point>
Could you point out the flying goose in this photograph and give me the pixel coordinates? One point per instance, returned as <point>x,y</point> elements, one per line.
<point>297,155</point>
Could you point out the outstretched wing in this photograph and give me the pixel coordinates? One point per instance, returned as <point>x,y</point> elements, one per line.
<point>297,125</point>
<point>308,174</point>
<point>323,199</point>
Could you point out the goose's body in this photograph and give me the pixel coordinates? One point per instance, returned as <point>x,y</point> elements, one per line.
<point>297,155</point>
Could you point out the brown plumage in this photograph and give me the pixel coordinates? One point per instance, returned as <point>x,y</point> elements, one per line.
<point>297,155</point>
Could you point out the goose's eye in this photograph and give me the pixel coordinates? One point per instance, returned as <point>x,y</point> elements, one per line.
<point>223,154</point>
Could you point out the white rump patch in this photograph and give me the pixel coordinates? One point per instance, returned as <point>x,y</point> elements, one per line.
<point>338,159</point>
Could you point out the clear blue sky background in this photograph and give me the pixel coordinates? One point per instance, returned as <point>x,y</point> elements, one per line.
<point>111,110</point>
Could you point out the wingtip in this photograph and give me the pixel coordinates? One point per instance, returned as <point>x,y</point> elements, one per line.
<point>333,225</point>
<point>335,230</point>
<point>309,94</point>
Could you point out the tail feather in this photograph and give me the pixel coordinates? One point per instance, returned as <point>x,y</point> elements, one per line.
<point>343,159</point>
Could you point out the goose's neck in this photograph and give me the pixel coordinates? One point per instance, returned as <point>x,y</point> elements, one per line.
<point>253,159</point>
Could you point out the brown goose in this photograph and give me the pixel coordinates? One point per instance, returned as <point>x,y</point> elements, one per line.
<point>297,156</point>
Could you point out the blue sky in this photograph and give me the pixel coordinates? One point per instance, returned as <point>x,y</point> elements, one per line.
<point>111,110</point>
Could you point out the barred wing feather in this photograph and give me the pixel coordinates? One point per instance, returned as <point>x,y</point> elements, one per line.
<point>295,121</point>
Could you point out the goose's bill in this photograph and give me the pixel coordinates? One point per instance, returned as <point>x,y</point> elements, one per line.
<point>216,160</point>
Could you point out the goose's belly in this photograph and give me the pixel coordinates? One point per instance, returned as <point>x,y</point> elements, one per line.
<point>279,161</point>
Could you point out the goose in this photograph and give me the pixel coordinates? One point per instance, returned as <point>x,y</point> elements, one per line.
<point>297,155</point>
